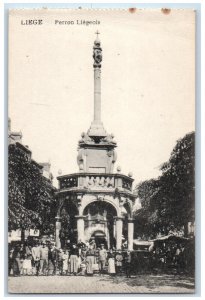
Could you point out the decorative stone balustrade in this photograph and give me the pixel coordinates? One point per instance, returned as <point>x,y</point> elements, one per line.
<point>126,184</point>
<point>68,182</point>
<point>99,181</point>
<point>95,181</point>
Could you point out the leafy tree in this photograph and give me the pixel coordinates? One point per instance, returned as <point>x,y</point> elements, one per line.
<point>178,179</point>
<point>168,201</point>
<point>31,195</point>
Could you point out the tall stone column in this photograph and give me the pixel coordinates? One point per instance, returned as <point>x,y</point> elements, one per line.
<point>130,234</point>
<point>97,95</point>
<point>58,228</point>
<point>118,232</point>
<point>80,228</point>
<point>97,128</point>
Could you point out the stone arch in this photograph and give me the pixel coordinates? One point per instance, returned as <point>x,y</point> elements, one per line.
<point>67,212</point>
<point>96,230</point>
<point>100,235</point>
<point>100,215</point>
<point>107,200</point>
<point>65,202</point>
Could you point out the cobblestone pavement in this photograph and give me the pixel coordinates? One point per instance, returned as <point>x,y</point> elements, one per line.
<point>101,284</point>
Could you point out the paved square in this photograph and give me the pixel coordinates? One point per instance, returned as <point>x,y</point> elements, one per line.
<point>102,284</point>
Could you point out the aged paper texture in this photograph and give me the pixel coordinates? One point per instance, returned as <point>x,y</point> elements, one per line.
<point>141,99</point>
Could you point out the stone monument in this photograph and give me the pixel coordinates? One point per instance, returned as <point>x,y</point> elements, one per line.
<point>99,202</point>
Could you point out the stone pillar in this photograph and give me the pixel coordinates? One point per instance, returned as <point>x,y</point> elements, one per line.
<point>97,95</point>
<point>114,229</point>
<point>80,228</point>
<point>130,234</point>
<point>58,228</point>
<point>118,233</point>
<point>97,128</point>
<point>108,238</point>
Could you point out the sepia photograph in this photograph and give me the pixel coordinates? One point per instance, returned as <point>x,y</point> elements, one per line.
<point>101,151</point>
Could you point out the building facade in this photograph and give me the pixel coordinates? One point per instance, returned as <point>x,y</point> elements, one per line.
<point>98,201</point>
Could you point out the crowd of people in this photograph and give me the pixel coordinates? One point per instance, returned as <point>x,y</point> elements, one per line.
<point>169,256</point>
<point>43,258</point>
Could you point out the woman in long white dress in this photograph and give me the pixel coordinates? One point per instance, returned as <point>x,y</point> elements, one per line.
<point>65,258</point>
<point>111,263</point>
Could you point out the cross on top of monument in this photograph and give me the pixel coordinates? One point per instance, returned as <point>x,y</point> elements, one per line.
<point>97,32</point>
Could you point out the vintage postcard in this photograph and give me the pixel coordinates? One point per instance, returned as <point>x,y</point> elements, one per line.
<point>101,151</point>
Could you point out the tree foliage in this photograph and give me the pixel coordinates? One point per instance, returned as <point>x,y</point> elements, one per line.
<point>31,195</point>
<point>168,201</point>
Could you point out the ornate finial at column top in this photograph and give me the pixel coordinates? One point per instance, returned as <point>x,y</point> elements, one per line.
<point>97,52</point>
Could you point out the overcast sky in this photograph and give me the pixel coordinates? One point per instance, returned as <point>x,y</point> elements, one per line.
<point>148,91</point>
